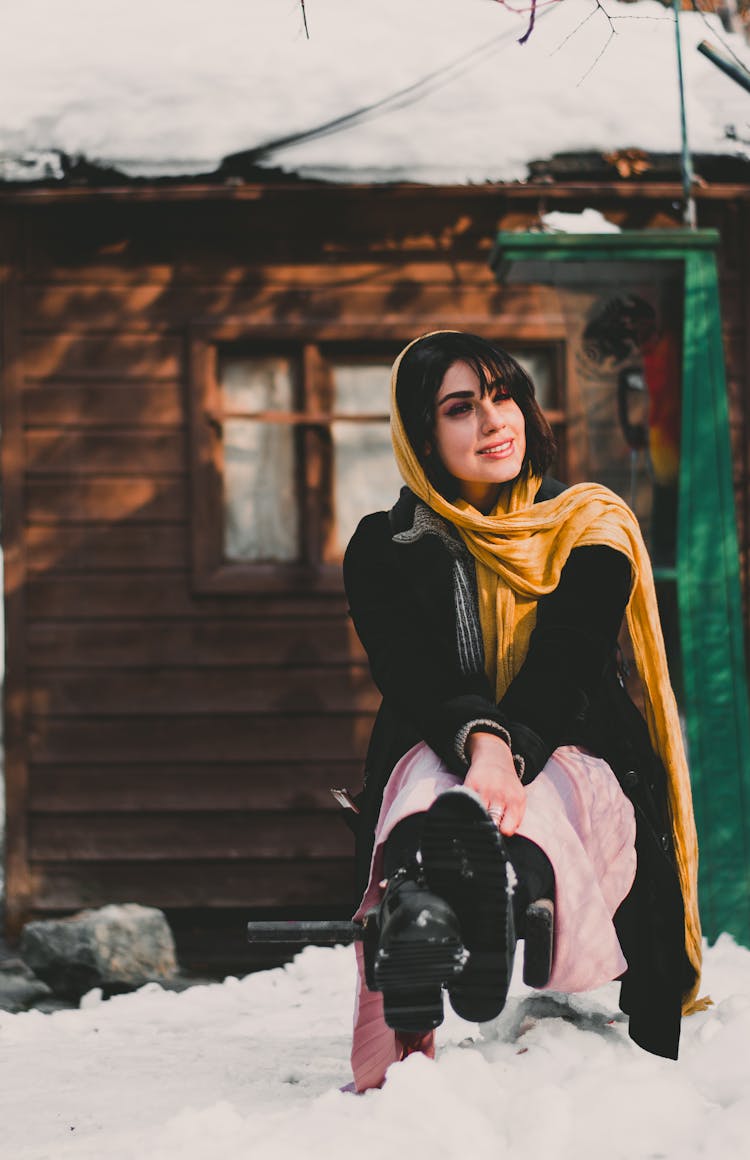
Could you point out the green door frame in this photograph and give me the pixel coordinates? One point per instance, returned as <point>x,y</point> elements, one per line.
<point>707,572</point>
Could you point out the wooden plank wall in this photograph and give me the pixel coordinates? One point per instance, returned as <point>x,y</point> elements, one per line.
<point>179,748</point>
<point>165,747</point>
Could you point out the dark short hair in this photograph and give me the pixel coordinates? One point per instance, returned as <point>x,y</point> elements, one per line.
<point>420,374</point>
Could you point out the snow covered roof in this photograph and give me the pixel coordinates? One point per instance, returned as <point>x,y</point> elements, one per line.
<point>170,87</point>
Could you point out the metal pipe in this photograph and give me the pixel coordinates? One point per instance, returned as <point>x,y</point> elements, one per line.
<point>323,932</point>
<point>686,161</point>
<point>726,64</point>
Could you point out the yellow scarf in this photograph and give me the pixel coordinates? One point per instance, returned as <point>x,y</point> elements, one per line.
<point>520,550</point>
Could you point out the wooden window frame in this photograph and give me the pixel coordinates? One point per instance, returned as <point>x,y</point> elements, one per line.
<point>212,574</point>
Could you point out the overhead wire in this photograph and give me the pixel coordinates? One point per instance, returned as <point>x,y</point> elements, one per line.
<point>401,98</point>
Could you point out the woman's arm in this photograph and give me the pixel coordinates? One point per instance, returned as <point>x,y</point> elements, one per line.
<point>413,659</point>
<point>574,638</point>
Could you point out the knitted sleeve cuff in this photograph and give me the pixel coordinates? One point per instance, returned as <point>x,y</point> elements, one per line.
<point>486,725</point>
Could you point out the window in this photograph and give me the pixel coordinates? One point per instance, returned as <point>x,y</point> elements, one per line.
<point>291,448</point>
<point>260,514</point>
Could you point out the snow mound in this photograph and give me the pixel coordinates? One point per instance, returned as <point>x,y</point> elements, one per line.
<point>253,1067</point>
<point>589,221</point>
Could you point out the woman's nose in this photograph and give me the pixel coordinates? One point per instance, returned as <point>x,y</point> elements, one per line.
<point>491,416</point>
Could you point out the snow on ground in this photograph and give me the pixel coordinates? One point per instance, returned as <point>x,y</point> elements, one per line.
<point>252,1068</point>
<point>171,86</point>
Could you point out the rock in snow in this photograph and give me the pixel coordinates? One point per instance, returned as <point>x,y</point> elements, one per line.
<point>115,947</point>
<point>250,1069</point>
<point>19,986</point>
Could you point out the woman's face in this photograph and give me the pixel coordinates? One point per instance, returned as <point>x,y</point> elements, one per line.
<point>480,439</point>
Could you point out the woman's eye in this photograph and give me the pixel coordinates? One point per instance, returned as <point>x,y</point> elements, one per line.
<point>459,409</point>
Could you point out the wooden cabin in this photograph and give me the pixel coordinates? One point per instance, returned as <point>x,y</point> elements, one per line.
<point>194,412</point>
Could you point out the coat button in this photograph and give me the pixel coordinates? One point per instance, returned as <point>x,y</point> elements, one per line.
<point>630,778</point>
<point>664,842</point>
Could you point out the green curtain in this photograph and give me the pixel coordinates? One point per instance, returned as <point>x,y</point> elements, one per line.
<point>707,574</point>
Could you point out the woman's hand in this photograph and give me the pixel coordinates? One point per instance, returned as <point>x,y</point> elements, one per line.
<point>493,776</point>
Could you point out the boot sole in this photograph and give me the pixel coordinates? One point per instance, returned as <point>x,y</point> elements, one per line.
<point>411,976</point>
<point>414,1012</point>
<point>465,863</point>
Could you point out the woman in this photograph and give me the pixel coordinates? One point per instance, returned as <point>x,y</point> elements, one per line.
<point>511,787</point>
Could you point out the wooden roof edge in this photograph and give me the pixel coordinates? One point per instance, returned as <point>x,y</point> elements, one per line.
<point>12,194</point>
<point>621,173</point>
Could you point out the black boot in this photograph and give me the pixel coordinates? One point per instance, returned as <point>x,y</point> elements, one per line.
<point>414,947</point>
<point>533,907</point>
<point>539,932</point>
<point>465,862</point>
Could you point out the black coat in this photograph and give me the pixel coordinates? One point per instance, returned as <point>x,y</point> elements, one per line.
<point>568,691</point>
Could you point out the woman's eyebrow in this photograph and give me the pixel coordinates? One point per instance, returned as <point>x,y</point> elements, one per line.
<point>496,387</point>
<point>456,395</point>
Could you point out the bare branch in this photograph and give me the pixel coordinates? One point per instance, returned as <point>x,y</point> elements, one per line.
<point>600,54</point>
<point>521,9</point>
<point>532,19</point>
<point>535,6</point>
<point>577,28</point>
<point>304,18</point>
<point>598,7</point>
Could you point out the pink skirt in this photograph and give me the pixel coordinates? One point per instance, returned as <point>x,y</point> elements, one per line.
<point>577,813</point>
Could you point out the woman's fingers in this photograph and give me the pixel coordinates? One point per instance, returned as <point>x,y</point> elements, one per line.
<point>512,817</point>
<point>508,815</point>
<point>499,788</point>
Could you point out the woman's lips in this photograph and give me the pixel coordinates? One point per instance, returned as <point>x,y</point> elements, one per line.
<point>497,450</point>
